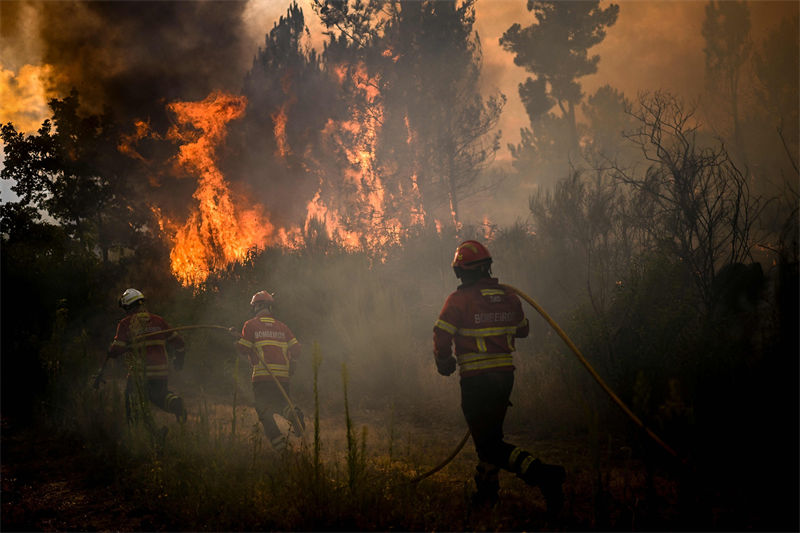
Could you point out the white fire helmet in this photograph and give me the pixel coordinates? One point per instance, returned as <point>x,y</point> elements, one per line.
<point>129,297</point>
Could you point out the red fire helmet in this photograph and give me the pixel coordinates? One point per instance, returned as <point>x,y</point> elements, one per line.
<point>262,297</point>
<point>470,255</point>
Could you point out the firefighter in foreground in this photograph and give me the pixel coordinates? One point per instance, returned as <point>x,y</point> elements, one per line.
<point>148,374</point>
<point>272,350</point>
<point>482,319</point>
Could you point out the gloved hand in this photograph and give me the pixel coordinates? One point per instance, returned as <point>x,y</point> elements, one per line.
<point>236,332</point>
<point>445,365</point>
<point>177,361</point>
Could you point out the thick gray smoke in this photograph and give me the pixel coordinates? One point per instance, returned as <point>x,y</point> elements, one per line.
<point>138,56</point>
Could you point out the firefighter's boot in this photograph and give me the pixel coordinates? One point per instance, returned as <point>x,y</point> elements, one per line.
<point>296,419</point>
<point>549,478</point>
<point>279,443</point>
<point>176,407</point>
<point>487,485</point>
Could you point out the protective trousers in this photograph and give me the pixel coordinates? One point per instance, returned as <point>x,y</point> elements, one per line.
<point>158,393</point>
<point>269,401</point>
<point>484,401</point>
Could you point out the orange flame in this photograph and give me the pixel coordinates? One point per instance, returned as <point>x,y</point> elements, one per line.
<point>368,225</point>
<point>217,233</point>
<point>488,228</point>
<point>279,130</point>
<point>221,230</point>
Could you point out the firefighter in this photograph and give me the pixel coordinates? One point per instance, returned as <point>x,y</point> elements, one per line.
<point>482,319</point>
<point>272,350</point>
<point>138,321</point>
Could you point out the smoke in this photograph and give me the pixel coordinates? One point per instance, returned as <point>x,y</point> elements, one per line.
<point>133,56</point>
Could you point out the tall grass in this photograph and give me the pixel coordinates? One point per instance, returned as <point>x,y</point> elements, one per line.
<point>204,477</point>
<point>316,362</point>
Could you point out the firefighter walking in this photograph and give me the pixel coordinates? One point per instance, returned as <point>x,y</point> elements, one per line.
<point>148,356</point>
<point>482,320</point>
<point>272,350</point>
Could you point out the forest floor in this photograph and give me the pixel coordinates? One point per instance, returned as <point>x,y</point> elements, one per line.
<point>50,484</point>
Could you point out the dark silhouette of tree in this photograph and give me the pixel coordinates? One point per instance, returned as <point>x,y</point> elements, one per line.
<point>289,100</point>
<point>726,30</point>
<point>702,210</point>
<point>607,116</point>
<point>72,172</point>
<point>359,23</point>
<point>776,64</point>
<point>555,49</point>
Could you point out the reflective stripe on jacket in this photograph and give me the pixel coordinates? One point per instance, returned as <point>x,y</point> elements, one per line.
<point>270,345</point>
<point>153,348</point>
<point>481,320</point>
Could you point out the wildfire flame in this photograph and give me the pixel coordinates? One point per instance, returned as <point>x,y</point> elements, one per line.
<point>222,230</point>
<point>279,130</point>
<point>219,231</point>
<point>370,227</point>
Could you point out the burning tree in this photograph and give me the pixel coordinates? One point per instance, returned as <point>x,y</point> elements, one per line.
<point>435,82</point>
<point>434,132</point>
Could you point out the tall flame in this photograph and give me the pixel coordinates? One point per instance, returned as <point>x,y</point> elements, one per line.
<point>222,230</point>
<point>219,231</point>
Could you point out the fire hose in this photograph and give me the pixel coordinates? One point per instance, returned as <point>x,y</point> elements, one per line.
<point>99,377</point>
<point>636,420</point>
<point>204,326</point>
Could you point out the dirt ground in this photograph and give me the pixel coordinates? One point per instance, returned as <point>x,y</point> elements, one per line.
<point>47,486</point>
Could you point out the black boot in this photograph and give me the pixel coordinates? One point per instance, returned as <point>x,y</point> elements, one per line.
<point>549,478</point>
<point>178,409</point>
<point>487,484</point>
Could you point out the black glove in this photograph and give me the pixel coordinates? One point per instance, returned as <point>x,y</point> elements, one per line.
<point>446,365</point>
<point>177,361</point>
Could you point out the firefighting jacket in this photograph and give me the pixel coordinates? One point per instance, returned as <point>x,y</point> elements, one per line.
<point>270,345</point>
<point>153,347</point>
<point>482,320</point>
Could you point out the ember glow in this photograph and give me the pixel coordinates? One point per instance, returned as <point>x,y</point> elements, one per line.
<point>220,230</point>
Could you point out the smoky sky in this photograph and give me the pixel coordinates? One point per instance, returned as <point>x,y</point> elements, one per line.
<point>137,56</point>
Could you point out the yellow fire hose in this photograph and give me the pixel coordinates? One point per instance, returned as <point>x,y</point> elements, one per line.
<point>592,371</point>
<point>278,383</point>
<point>444,463</point>
<point>585,363</point>
<point>181,328</point>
